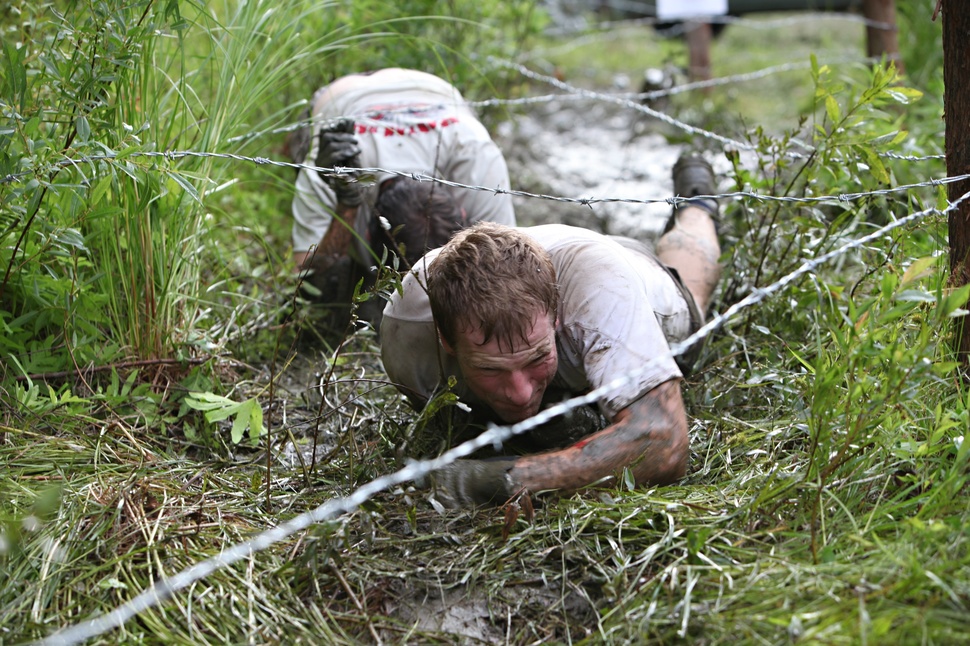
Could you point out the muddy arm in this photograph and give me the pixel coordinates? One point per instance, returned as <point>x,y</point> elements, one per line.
<point>649,437</point>
<point>334,245</point>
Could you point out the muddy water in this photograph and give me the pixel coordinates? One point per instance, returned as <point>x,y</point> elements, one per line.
<point>593,150</point>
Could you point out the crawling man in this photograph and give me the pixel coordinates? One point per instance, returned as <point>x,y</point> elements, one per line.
<point>405,122</point>
<point>526,317</point>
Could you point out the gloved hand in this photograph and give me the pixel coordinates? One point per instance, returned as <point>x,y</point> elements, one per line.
<point>338,147</point>
<point>465,483</point>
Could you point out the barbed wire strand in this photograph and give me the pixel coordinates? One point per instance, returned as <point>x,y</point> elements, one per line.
<point>363,175</point>
<point>640,107</point>
<point>630,100</point>
<point>624,102</point>
<point>571,97</point>
<point>493,436</point>
<point>678,27</point>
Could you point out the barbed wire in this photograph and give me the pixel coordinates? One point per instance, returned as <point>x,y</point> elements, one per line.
<point>493,436</point>
<point>626,99</point>
<point>679,26</point>
<point>528,101</point>
<point>624,102</point>
<point>640,107</point>
<point>363,175</point>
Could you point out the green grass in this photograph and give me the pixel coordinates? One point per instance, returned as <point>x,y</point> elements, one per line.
<point>762,41</point>
<point>827,496</point>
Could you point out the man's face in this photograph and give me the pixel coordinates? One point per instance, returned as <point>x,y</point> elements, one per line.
<point>511,381</point>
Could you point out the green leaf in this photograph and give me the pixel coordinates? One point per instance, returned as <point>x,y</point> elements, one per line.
<point>953,302</point>
<point>832,108</point>
<point>918,269</point>
<point>186,186</point>
<point>876,167</point>
<point>915,296</point>
<point>16,76</point>
<point>83,128</point>
<point>240,423</point>
<point>904,95</point>
<point>99,190</point>
<point>245,415</point>
<point>256,428</point>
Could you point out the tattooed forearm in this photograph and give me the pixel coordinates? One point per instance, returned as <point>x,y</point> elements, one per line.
<point>649,437</point>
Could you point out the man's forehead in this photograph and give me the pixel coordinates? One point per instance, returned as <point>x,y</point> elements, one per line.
<point>537,334</point>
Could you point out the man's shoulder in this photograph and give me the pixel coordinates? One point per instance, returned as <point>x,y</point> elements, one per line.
<point>556,234</point>
<point>566,240</point>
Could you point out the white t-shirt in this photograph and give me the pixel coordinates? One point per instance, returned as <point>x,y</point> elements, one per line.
<point>619,311</point>
<point>406,121</point>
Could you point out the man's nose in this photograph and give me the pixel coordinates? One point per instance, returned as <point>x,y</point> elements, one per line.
<point>519,388</point>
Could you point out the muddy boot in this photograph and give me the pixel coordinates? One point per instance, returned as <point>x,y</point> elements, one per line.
<point>694,176</point>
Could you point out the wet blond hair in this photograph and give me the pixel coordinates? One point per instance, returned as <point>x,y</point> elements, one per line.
<point>494,278</point>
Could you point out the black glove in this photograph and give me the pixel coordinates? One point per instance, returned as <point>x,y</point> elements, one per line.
<point>465,483</point>
<point>338,147</point>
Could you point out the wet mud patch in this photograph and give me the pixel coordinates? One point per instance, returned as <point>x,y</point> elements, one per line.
<point>584,149</point>
<point>322,395</point>
<point>517,613</point>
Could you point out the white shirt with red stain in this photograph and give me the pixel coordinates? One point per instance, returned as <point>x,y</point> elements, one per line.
<point>406,121</point>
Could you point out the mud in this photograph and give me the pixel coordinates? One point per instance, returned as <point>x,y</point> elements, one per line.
<point>593,150</point>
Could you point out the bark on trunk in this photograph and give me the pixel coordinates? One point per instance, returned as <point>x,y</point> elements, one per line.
<point>699,44</point>
<point>881,40</point>
<point>956,109</point>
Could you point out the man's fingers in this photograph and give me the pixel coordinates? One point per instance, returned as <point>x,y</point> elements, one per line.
<point>344,125</point>
<point>338,149</point>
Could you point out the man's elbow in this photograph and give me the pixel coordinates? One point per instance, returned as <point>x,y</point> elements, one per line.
<point>668,462</point>
<point>673,469</point>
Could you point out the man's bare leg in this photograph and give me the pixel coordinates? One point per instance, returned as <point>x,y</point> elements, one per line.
<point>691,247</point>
<point>689,242</point>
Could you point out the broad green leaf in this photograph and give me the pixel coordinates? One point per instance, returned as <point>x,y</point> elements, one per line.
<point>876,167</point>
<point>954,301</point>
<point>241,422</point>
<point>256,429</point>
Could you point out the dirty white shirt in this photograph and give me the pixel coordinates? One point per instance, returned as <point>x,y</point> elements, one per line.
<point>406,121</point>
<point>619,311</point>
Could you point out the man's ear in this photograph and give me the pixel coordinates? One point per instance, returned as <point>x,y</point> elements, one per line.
<point>447,346</point>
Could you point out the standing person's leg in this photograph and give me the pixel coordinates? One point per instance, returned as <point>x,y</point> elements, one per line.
<point>689,243</point>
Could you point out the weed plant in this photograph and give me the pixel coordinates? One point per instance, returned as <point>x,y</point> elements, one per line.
<point>827,495</point>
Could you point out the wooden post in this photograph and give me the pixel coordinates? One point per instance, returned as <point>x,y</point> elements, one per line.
<point>956,111</point>
<point>880,40</point>
<point>698,35</point>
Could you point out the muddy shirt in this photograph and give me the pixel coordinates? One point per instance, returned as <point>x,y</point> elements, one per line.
<point>406,121</point>
<point>618,312</point>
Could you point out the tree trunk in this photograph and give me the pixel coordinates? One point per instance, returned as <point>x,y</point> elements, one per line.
<point>882,40</point>
<point>698,37</point>
<point>956,110</point>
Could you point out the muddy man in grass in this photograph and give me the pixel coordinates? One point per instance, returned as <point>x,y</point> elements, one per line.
<point>404,122</point>
<point>529,316</point>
